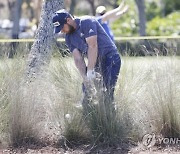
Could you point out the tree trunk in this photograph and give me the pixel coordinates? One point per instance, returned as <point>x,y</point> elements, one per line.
<point>37,8</point>
<point>11,6</point>
<point>30,10</point>
<point>93,9</point>
<point>72,6</point>
<point>142,17</point>
<point>41,50</point>
<point>33,120</point>
<point>162,8</point>
<point>15,29</point>
<point>17,16</point>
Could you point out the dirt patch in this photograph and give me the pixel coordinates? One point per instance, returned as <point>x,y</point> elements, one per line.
<point>122,148</point>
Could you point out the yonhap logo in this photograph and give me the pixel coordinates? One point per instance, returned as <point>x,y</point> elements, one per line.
<point>149,140</point>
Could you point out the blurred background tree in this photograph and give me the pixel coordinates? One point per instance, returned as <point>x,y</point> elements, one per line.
<point>162,18</point>
<point>142,17</point>
<point>72,6</point>
<point>93,7</point>
<point>152,10</point>
<point>170,6</point>
<point>168,25</point>
<point>145,17</point>
<point>15,29</point>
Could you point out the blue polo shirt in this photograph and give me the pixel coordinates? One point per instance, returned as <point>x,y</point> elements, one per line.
<point>86,27</point>
<point>106,27</point>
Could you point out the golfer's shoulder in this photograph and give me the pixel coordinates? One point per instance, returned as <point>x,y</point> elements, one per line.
<point>86,20</point>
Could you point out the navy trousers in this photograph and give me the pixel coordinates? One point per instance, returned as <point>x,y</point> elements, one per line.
<point>109,68</point>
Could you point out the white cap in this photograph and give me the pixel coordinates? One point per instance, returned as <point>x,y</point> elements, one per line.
<point>101,10</point>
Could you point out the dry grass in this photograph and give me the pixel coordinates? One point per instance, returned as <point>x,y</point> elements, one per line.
<point>149,92</point>
<point>147,100</point>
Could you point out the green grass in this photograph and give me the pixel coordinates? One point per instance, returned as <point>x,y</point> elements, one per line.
<point>147,98</point>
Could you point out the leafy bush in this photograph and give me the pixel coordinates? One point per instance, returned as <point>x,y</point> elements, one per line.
<point>164,26</point>
<point>152,10</point>
<point>126,25</point>
<point>170,6</point>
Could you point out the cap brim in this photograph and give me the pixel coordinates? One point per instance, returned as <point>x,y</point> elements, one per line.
<point>102,11</point>
<point>58,29</point>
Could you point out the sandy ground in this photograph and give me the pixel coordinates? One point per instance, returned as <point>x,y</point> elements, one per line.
<point>86,149</point>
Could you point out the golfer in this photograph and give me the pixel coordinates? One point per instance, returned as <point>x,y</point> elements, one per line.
<point>86,37</point>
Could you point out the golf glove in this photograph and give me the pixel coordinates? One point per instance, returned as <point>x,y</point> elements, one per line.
<point>91,74</point>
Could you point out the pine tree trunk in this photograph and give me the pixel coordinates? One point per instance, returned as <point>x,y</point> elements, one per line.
<point>41,50</point>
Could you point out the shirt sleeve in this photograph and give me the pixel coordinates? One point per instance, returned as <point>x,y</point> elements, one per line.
<point>89,27</point>
<point>99,19</point>
<point>69,45</point>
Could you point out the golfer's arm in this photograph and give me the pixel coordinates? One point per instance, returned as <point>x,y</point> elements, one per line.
<point>92,51</point>
<point>79,62</point>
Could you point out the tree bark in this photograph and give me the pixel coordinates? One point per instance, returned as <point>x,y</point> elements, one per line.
<point>41,50</point>
<point>142,17</point>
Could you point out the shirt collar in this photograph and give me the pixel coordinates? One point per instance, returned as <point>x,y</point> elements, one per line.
<point>77,20</point>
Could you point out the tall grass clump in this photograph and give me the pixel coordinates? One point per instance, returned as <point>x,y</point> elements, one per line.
<point>6,76</point>
<point>68,83</point>
<point>94,116</point>
<point>148,94</point>
<point>100,114</point>
<point>51,108</point>
<point>30,106</point>
<point>32,118</point>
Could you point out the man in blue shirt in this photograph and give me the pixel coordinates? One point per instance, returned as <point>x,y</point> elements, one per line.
<point>86,37</point>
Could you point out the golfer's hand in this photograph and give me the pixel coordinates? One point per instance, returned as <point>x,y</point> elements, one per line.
<point>123,11</point>
<point>91,75</point>
<point>89,78</point>
<point>121,5</point>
